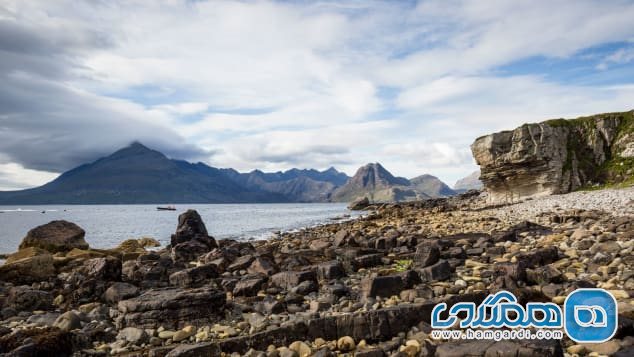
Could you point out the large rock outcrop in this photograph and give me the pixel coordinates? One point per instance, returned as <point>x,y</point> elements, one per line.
<point>56,236</point>
<point>556,156</point>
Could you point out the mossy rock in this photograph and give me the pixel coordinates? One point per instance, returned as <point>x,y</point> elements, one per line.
<point>25,253</point>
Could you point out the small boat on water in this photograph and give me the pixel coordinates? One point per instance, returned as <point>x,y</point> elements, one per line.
<point>166,208</point>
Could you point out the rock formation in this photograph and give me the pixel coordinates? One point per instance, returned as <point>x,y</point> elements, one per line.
<point>556,156</point>
<point>471,182</point>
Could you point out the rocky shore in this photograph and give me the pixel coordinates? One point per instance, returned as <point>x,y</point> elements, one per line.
<point>365,287</point>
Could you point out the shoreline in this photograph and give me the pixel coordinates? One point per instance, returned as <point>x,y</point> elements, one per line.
<point>277,297</point>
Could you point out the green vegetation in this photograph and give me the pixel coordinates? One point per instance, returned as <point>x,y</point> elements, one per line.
<point>403,265</point>
<point>615,171</point>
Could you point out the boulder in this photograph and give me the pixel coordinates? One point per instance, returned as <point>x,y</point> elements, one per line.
<point>133,335</point>
<point>241,263</point>
<point>106,269</point>
<point>384,286</point>
<point>25,298</point>
<point>192,227</point>
<point>194,277</point>
<point>68,321</point>
<point>188,251</point>
<point>171,308</point>
<point>343,238</point>
<point>289,279</point>
<point>330,270</point>
<point>249,285</point>
<point>426,254</point>
<point>56,236</point>
<point>359,204</point>
<point>262,265</point>
<point>120,291</point>
<point>436,272</point>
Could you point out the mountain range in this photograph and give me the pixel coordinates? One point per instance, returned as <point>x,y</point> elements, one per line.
<point>137,174</point>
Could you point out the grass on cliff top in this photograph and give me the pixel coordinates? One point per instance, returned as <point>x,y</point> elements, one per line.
<point>626,126</point>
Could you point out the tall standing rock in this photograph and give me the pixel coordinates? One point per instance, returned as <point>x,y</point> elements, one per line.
<point>192,227</point>
<point>56,236</point>
<point>191,239</point>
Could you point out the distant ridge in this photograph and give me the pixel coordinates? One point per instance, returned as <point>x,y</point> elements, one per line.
<point>471,182</point>
<point>379,185</point>
<point>138,174</point>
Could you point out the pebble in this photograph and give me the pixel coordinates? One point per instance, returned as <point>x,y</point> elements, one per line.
<point>346,344</point>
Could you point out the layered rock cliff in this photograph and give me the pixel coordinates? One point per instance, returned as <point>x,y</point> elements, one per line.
<point>556,156</point>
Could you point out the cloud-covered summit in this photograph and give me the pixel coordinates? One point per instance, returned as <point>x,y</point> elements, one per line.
<point>277,84</point>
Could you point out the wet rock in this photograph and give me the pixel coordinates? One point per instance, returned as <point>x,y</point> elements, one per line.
<point>171,308</point>
<point>120,291</point>
<point>194,277</point>
<point>56,236</point>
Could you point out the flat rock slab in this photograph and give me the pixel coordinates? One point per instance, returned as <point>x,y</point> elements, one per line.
<point>171,308</point>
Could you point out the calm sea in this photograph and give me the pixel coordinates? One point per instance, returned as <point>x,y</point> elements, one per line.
<point>107,225</point>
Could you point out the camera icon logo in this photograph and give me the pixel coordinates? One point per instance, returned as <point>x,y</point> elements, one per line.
<point>590,315</point>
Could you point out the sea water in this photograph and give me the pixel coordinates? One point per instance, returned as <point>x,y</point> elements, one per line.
<point>107,225</point>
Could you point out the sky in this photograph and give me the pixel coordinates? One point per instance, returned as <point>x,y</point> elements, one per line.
<point>273,85</point>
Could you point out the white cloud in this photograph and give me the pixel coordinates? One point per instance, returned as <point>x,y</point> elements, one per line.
<point>16,177</point>
<point>620,56</point>
<point>272,85</point>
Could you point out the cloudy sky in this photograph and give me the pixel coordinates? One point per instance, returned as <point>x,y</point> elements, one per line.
<point>309,84</point>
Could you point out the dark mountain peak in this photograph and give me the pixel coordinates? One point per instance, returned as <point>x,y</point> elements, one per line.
<point>135,149</point>
<point>375,175</point>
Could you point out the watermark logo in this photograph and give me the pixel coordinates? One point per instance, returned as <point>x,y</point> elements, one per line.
<point>591,315</point>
